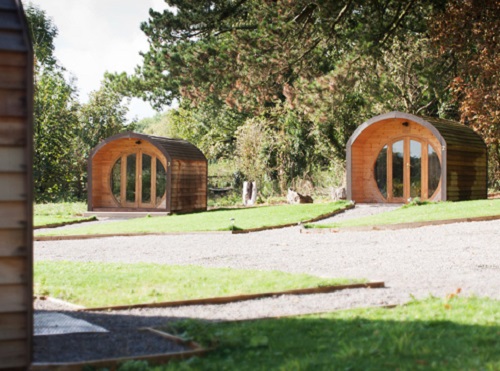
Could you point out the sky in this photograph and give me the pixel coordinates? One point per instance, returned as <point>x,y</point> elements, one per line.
<point>96,36</point>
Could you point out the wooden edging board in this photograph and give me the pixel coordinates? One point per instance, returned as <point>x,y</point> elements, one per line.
<point>230,299</point>
<point>196,350</point>
<point>62,224</point>
<point>91,236</point>
<point>383,306</point>
<point>383,227</point>
<point>321,217</point>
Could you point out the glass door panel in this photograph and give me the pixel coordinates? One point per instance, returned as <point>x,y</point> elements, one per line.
<point>433,170</point>
<point>398,169</point>
<point>161,181</point>
<point>415,169</point>
<point>116,178</point>
<point>146,179</point>
<point>381,171</point>
<point>131,178</point>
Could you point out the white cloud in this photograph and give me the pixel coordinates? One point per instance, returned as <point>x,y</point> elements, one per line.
<point>96,36</point>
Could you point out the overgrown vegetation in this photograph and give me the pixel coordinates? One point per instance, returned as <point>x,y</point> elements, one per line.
<point>216,220</point>
<point>121,284</point>
<point>423,213</point>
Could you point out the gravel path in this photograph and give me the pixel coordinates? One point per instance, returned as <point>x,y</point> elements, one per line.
<point>434,260</point>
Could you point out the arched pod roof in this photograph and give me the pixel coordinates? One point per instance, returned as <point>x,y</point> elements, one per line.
<point>446,131</point>
<point>173,149</point>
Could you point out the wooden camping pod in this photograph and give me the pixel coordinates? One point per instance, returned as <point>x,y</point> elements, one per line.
<point>16,246</point>
<point>397,156</point>
<point>138,172</point>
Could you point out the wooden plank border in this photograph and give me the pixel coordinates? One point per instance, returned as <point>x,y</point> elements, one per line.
<point>157,359</point>
<point>62,224</point>
<point>386,227</point>
<point>91,236</point>
<point>236,298</point>
<point>321,217</point>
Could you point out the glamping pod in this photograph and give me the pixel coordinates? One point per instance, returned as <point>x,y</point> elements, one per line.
<point>138,172</point>
<point>396,157</point>
<point>16,204</point>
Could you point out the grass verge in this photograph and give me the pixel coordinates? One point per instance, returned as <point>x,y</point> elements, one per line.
<point>106,284</point>
<point>451,334</point>
<point>59,213</point>
<point>216,220</point>
<point>422,213</point>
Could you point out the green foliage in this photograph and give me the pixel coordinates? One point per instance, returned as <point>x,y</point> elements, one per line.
<point>157,125</point>
<point>451,334</point>
<point>55,114</point>
<point>55,122</point>
<point>64,130</point>
<point>134,366</point>
<point>104,284</point>
<point>43,32</point>
<point>102,116</point>
<point>246,52</point>
<point>216,220</point>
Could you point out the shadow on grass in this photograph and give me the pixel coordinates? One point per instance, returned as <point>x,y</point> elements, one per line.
<point>351,340</point>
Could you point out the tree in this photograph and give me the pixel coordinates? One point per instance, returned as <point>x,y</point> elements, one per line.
<point>102,116</point>
<point>43,32</point>
<point>468,31</point>
<point>55,118</point>
<point>64,130</point>
<point>245,52</point>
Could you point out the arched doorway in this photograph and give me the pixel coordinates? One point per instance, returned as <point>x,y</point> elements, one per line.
<point>406,168</point>
<point>138,180</point>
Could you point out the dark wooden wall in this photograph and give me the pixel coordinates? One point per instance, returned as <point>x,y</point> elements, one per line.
<point>467,162</point>
<point>189,185</point>
<point>16,280</point>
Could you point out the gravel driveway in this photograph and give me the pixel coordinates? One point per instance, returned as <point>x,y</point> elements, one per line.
<point>434,260</point>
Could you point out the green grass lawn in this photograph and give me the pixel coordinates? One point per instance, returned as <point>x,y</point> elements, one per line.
<point>459,334</point>
<point>217,220</point>
<point>422,213</point>
<point>57,213</point>
<point>105,284</point>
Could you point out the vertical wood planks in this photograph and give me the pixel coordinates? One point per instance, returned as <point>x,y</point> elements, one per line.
<point>16,277</point>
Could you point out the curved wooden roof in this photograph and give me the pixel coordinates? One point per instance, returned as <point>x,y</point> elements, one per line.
<point>449,133</point>
<point>173,149</point>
